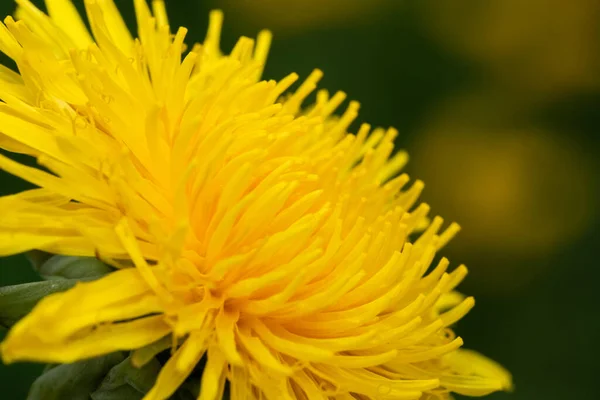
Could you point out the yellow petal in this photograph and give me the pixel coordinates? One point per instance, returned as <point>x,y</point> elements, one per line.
<point>224,326</point>
<point>160,13</point>
<point>298,350</point>
<point>86,321</point>
<point>172,374</point>
<point>474,374</point>
<point>19,242</point>
<point>241,387</point>
<point>102,340</point>
<point>129,241</point>
<point>105,17</point>
<point>43,26</point>
<point>65,15</point>
<point>262,354</point>
<point>213,378</point>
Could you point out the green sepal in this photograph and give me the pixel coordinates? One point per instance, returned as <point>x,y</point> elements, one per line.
<point>37,258</point>
<point>17,300</point>
<point>126,375</point>
<point>189,390</point>
<point>120,393</point>
<point>73,381</point>
<point>57,267</point>
<point>48,367</point>
<point>145,354</point>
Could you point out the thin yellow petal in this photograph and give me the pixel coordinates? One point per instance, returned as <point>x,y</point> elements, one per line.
<point>66,16</point>
<point>172,374</point>
<point>261,353</point>
<point>475,374</point>
<point>129,242</point>
<point>213,381</point>
<point>160,13</point>
<point>224,326</point>
<point>104,15</point>
<point>301,351</point>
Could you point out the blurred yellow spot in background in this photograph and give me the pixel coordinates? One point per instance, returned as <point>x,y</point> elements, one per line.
<point>519,193</point>
<point>537,46</point>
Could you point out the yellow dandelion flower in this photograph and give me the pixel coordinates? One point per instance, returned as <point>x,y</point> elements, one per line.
<point>246,229</point>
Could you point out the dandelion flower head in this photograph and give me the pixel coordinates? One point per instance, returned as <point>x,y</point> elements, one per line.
<point>245,229</point>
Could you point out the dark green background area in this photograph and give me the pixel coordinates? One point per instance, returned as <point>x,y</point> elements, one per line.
<point>546,332</point>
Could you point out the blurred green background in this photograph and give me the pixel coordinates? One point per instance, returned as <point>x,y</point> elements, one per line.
<point>498,103</point>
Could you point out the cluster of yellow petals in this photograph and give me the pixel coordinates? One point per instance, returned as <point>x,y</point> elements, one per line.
<point>246,229</point>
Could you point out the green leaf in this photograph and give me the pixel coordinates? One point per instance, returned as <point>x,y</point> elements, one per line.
<point>120,393</point>
<point>66,267</point>
<point>126,375</point>
<point>73,381</point>
<point>17,300</point>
